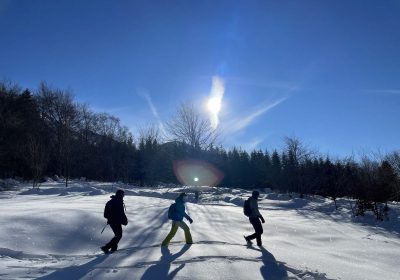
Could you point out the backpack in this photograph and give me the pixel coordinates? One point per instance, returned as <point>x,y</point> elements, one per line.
<point>171,211</point>
<point>108,210</point>
<point>246,208</point>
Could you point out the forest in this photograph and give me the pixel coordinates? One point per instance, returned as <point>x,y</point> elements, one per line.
<point>45,132</point>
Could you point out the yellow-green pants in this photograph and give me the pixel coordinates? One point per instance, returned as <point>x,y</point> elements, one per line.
<point>174,228</point>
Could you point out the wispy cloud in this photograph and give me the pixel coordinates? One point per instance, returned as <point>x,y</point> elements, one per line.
<point>236,125</point>
<point>386,91</point>
<point>215,100</point>
<point>143,93</point>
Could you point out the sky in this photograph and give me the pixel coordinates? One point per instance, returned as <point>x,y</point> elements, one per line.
<point>326,72</point>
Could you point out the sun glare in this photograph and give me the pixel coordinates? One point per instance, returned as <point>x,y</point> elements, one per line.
<point>214,105</point>
<point>215,100</point>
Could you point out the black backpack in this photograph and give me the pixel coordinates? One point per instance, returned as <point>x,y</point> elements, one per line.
<point>171,211</point>
<point>246,208</point>
<point>108,210</point>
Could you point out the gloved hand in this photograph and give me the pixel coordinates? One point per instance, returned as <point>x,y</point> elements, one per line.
<point>262,219</point>
<point>125,221</point>
<point>190,220</point>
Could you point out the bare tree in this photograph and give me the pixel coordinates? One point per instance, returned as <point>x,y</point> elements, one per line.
<point>394,161</point>
<point>151,133</point>
<point>57,109</point>
<point>297,149</point>
<point>107,125</point>
<point>190,127</point>
<point>86,123</point>
<point>296,154</point>
<point>37,156</point>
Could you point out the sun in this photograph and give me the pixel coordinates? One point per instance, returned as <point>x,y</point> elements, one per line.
<point>214,105</point>
<point>215,100</point>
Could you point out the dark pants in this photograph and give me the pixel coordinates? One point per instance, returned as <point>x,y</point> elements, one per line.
<point>113,244</point>
<point>258,230</point>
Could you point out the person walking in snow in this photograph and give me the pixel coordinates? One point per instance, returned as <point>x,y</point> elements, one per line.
<point>254,218</point>
<point>176,214</point>
<point>115,215</point>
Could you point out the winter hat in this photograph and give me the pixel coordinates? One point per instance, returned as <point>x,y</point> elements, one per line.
<point>182,194</point>
<point>120,193</point>
<point>255,194</point>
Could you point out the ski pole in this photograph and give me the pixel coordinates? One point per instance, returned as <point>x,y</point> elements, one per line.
<point>104,228</point>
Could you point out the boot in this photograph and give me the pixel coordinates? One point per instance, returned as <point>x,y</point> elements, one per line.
<point>104,249</point>
<point>248,241</point>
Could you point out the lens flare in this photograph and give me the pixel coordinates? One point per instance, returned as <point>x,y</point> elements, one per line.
<point>200,173</point>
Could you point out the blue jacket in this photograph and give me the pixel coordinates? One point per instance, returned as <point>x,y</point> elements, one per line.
<point>179,212</point>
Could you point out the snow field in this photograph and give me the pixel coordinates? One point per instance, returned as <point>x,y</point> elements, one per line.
<point>55,234</point>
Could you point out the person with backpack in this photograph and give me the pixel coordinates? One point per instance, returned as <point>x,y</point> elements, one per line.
<point>176,212</point>
<point>115,215</point>
<point>251,210</point>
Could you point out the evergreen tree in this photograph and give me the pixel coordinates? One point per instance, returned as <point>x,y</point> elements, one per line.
<point>276,169</point>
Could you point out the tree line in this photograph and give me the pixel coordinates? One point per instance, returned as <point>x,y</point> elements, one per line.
<point>45,132</point>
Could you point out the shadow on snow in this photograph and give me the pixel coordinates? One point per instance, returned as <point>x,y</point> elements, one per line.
<point>160,270</point>
<point>74,272</point>
<point>271,268</point>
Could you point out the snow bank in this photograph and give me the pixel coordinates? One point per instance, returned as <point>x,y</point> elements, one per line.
<point>7,184</point>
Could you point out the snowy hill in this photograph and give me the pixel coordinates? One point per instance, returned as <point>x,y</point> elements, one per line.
<point>54,233</point>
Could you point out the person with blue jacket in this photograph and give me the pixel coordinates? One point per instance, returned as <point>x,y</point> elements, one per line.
<point>177,216</point>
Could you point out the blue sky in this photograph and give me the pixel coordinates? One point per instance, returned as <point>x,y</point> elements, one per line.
<point>327,72</point>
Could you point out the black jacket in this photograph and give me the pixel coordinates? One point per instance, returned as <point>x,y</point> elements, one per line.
<point>114,211</point>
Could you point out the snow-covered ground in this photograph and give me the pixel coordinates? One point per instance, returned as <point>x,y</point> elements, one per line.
<point>54,233</point>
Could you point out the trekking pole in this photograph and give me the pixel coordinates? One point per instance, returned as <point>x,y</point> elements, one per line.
<point>104,228</point>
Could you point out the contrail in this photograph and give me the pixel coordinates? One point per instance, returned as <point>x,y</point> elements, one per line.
<point>153,109</point>
<point>241,124</point>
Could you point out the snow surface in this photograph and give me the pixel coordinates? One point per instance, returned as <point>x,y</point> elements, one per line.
<point>54,233</point>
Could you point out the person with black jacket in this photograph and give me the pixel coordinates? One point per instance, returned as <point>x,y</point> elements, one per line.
<point>115,215</point>
<point>254,219</point>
